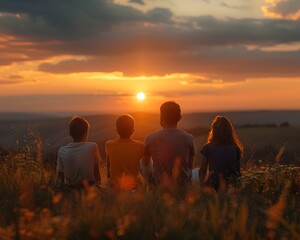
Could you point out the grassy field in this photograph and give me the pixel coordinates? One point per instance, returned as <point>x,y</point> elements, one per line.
<point>264,205</point>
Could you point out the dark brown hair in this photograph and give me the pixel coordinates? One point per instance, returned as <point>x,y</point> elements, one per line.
<point>170,112</point>
<point>222,132</point>
<point>78,126</point>
<point>125,126</point>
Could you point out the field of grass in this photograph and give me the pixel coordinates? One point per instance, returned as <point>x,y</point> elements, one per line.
<point>264,205</point>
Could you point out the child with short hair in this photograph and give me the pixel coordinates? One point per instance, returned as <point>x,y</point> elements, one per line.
<point>79,160</point>
<point>123,156</point>
<point>221,154</point>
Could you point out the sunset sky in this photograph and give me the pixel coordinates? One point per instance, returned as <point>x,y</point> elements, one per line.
<point>96,55</point>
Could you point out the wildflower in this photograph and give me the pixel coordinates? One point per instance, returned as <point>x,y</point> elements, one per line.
<point>57,198</point>
<point>191,198</point>
<point>275,213</point>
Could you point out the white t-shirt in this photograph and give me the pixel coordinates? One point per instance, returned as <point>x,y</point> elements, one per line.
<point>77,161</point>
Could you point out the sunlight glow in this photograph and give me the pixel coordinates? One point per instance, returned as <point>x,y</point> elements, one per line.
<point>140,96</point>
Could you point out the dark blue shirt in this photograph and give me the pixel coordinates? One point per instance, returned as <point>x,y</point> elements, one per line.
<point>223,162</point>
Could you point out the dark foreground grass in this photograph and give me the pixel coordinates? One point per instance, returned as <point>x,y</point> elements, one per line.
<point>265,205</point>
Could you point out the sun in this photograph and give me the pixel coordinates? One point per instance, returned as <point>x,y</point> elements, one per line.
<point>141,96</point>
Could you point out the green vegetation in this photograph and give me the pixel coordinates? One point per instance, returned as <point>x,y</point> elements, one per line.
<point>265,204</point>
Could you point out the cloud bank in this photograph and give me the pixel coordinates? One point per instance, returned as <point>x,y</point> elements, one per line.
<point>114,37</point>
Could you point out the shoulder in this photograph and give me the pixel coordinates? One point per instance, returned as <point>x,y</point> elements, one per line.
<point>91,145</point>
<point>62,149</point>
<point>186,135</point>
<point>206,147</point>
<point>153,135</point>
<point>137,142</point>
<point>109,142</point>
<point>108,145</point>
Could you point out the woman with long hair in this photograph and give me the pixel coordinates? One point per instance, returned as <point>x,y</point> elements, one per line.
<point>221,154</point>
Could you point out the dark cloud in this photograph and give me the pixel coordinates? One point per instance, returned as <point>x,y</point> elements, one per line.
<point>15,76</point>
<point>226,5</point>
<point>15,79</point>
<point>196,92</point>
<point>204,81</point>
<point>229,64</point>
<point>67,19</point>
<point>22,49</point>
<point>137,1</point>
<point>44,103</point>
<point>193,33</point>
<point>245,31</point>
<point>9,82</point>
<point>120,38</point>
<point>285,8</point>
<point>160,15</point>
<point>81,24</point>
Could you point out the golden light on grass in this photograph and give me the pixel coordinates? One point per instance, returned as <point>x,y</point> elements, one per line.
<point>141,96</point>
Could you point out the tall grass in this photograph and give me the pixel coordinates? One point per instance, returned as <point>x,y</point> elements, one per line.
<point>264,205</point>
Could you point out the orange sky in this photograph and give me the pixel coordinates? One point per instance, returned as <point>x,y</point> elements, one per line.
<point>207,56</point>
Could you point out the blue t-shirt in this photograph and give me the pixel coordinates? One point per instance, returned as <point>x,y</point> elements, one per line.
<point>223,162</point>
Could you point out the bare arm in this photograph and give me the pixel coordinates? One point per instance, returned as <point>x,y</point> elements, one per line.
<point>97,166</point>
<point>191,162</point>
<point>97,174</point>
<point>146,159</point>
<point>193,152</point>
<point>108,166</point>
<point>203,169</point>
<point>60,178</point>
<point>146,153</point>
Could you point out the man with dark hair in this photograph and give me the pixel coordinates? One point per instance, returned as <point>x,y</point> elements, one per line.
<point>172,150</point>
<point>123,156</point>
<point>79,160</point>
<point>170,113</point>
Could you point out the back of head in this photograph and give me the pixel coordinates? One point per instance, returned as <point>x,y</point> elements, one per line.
<point>170,113</point>
<point>78,127</point>
<point>222,132</point>
<point>125,126</point>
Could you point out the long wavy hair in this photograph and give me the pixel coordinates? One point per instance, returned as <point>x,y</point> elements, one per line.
<point>222,132</point>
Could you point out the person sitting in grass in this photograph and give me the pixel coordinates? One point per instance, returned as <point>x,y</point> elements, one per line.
<point>171,150</point>
<point>123,156</point>
<point>221,154</point>
<point>79,160</point>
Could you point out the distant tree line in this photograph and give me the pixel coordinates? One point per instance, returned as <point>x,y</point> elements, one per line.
<point>267,125</point>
